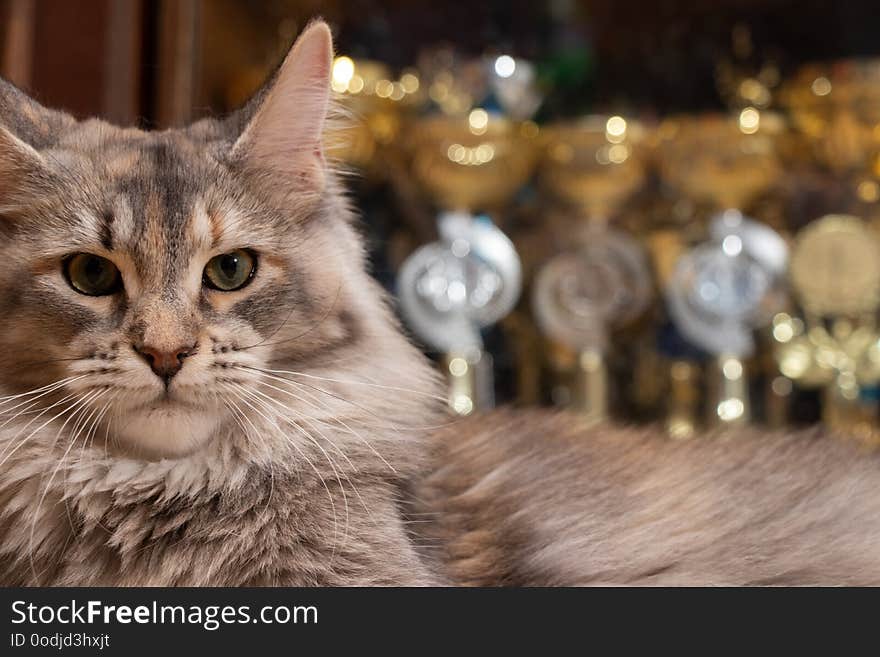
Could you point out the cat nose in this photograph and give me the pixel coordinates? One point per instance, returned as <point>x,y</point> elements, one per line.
<point>164,363</point>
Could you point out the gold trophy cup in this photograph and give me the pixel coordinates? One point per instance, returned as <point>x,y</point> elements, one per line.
<point>471,278</point>
<point>599,281</point>
<point>375,102</point>
<point>718,292</point>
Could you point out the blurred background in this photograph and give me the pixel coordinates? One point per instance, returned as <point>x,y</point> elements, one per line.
<point>657,211</point>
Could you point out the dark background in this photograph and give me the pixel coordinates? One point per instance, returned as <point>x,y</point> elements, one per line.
<point>161,62</point>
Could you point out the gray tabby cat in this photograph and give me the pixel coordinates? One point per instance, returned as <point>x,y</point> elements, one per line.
<point>203,386</point>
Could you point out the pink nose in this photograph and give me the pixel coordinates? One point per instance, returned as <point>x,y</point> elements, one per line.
<point>164,363</point>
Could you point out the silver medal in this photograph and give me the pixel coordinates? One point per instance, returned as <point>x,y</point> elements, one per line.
<point>720,290</point>
<point>452,288</point>
<point>578,294</point>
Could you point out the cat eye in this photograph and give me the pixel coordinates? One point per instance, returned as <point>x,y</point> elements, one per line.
<point>230,271</point>
<point>92,275</point>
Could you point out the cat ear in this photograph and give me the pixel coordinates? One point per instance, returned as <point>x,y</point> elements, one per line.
<point>283,137</point>
<point>21,167</point>
<point>29,121</point>
<point>25,127</point>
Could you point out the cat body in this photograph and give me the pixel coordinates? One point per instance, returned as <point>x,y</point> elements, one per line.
<point>537,499</point>
<point>201,385</point>
<point>512,498</point>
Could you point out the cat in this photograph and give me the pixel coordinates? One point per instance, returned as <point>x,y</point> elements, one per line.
<point>202,385</point>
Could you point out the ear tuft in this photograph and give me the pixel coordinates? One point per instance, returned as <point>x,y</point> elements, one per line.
<point>283,139</point>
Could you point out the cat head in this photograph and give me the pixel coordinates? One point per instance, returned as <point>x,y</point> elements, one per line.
<point>158,287</point>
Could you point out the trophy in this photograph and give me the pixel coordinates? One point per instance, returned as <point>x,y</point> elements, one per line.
<point>720,291</point>
<point>837,107</point>
<point>722,161</point>
<point>450,289</point>
<point>374,99</point>
<point>835,272</point>
<point>600,280</point>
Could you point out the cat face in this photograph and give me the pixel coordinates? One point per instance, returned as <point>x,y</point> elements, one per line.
<point>161,286</point>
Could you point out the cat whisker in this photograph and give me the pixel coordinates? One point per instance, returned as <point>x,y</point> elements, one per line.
<point>418,393</point>
<point>83,405</point>
<point>243,415</point>
<point>104,410</point>
<point>12,441</point>
<point>40,392</point>
<point>336,419</point>
<point>39,413</point>
<point>299,416</point>
<point>303,418</point>
<point>35,390</point>
<point>27,410</point>
<point>354,487</point>
<point>90,439</point>
<point>271,465</point>
<point>344,425</point>
<point>301,385</point>
<point>336,424</point>
<point>303,455</point>
<point>316,444</point>
<point>254,398</point>
<point>304,386</point>
<point>107,428</point>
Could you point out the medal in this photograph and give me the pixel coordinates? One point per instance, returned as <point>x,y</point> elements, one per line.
<point>452,288</point>
<point>835,267</point>
<point>835,271</point>
<point>449,290</point>
<point>579,295</point>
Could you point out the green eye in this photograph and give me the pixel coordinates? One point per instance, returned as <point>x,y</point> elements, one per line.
<point>92,275</point>
<point>230,271</point>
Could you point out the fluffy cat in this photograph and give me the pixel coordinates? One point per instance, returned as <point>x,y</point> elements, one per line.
<point>203,386</point>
